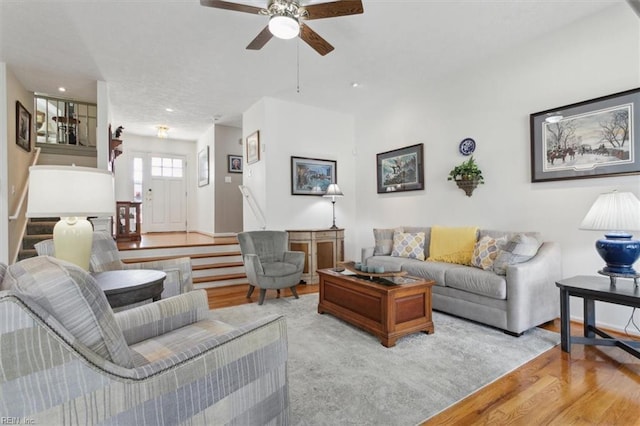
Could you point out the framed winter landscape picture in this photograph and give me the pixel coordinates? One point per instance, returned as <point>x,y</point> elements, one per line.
<point>401,169</point>
<point>312,176</point>
<point>595,138</point>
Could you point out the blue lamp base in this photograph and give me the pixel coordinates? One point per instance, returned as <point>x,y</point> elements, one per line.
<point>619,252</point>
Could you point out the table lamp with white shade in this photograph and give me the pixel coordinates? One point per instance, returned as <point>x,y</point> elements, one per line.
<point>616,213</point>
<point>71,193</point>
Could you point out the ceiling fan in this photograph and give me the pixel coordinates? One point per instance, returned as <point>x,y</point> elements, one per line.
<point>286,19</point>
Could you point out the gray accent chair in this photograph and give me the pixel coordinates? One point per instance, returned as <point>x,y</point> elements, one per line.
<point>268,262</point>
<point>106,257</point>
<point>68,359</point>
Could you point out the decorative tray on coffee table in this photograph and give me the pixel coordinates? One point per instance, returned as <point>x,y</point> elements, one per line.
<point>351,266</point>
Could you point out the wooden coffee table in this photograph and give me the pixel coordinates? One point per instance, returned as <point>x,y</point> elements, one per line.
<point>388,311</point>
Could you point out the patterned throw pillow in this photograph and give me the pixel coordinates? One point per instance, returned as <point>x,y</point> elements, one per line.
<point>485,253</point>
<point>73,297</point>
<point>518,249</point>
<point>408,245</point>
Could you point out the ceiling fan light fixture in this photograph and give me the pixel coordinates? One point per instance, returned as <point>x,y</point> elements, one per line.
<point>163,132</point>
<point>284,27</point>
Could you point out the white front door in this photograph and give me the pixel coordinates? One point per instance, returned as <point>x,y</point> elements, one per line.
<point>165,198</point>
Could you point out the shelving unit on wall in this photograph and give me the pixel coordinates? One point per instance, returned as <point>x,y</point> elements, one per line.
<point>115,149</point>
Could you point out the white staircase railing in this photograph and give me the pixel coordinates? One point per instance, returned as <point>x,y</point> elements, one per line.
<point>255,208</point>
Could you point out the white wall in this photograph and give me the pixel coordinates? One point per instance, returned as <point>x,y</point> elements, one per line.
<point>491,103</point>
<point>4,169</point>
<point>289,129</point>
<point>204,218</point>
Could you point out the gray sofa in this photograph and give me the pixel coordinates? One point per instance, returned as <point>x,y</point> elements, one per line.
<point>526,296</point>
<point>67,359</point>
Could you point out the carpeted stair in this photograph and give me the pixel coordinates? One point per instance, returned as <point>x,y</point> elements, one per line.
<point>37,230</point>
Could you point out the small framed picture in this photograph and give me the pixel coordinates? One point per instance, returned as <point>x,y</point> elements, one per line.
<point>203,167</point>
<point>253,147</point>
<point>234,163</point>
<point>312,176</point>
<point>23,127</point>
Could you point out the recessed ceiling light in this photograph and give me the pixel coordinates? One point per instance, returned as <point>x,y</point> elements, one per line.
<point>61,89</point>
<point>355,84</point>
<point>169,109</point>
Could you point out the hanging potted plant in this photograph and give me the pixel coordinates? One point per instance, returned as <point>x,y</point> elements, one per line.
<point>467,176</point>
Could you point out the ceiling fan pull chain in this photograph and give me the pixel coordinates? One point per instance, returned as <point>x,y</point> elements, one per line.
<point>298,65</point>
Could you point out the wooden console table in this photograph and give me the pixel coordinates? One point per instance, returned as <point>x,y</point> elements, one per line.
<point>323,248</point>
<point>590,289</point>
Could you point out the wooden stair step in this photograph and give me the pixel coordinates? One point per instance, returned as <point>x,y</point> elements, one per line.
<point>156,258</point>
<point>216,265</point>
<point>211,278</point>
<point>215,254</point>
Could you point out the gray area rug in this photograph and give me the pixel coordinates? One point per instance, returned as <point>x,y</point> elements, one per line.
<point>341,375</point>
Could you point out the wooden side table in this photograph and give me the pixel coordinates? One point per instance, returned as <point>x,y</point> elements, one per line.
<point>129,286</point>
<point>590,289</point>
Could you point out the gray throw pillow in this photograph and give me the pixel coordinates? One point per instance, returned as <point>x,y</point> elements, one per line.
<point>383,241</point>
<point>71,296</point>
<point>518,249</point>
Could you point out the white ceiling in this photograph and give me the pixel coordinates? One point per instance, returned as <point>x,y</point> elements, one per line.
<point>157,54</point>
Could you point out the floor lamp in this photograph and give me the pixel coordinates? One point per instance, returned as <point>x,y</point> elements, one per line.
<point>334,191</point>
<point>71,193</point>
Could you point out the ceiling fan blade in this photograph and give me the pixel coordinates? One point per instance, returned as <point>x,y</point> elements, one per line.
<point>231,6</point>
<point>260,40</point>
<point>312,38</point>
<point>333,9</point>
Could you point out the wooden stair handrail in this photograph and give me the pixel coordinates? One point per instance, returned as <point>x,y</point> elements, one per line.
<point>25,190</point>
<point>255,208</point>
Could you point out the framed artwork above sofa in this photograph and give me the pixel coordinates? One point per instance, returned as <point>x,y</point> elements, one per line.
<point>401,169</point>
<point>594,138</point>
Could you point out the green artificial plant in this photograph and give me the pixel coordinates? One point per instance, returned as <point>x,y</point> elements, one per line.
<point>467,171</point>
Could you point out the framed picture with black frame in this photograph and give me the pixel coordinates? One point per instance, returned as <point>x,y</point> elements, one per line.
<point>590,139</point>
<point>23,127</point>
<point>401,169</point>
<point>234,163</point>
<point>312,176</point>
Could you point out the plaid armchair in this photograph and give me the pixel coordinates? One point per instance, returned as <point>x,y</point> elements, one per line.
<point>66,358</point>
<point>105,257</point>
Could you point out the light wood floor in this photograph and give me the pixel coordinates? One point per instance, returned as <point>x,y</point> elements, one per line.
<point>175,239</point>
<point>590,386</point>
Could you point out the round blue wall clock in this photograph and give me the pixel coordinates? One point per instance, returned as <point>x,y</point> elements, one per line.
<point>467,146</point>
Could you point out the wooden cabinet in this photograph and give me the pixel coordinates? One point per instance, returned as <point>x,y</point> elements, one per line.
<point>128,221</point>
<point>322,247</point>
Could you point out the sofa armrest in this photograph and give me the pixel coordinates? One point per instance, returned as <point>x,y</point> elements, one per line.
<point>367,252</point>
<point>179,279</point>
<point>153,319</point>
<point>295,257</point>
<point>531,288</point>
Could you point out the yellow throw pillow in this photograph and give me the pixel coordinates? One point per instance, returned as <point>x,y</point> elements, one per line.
<point>452,245</point>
